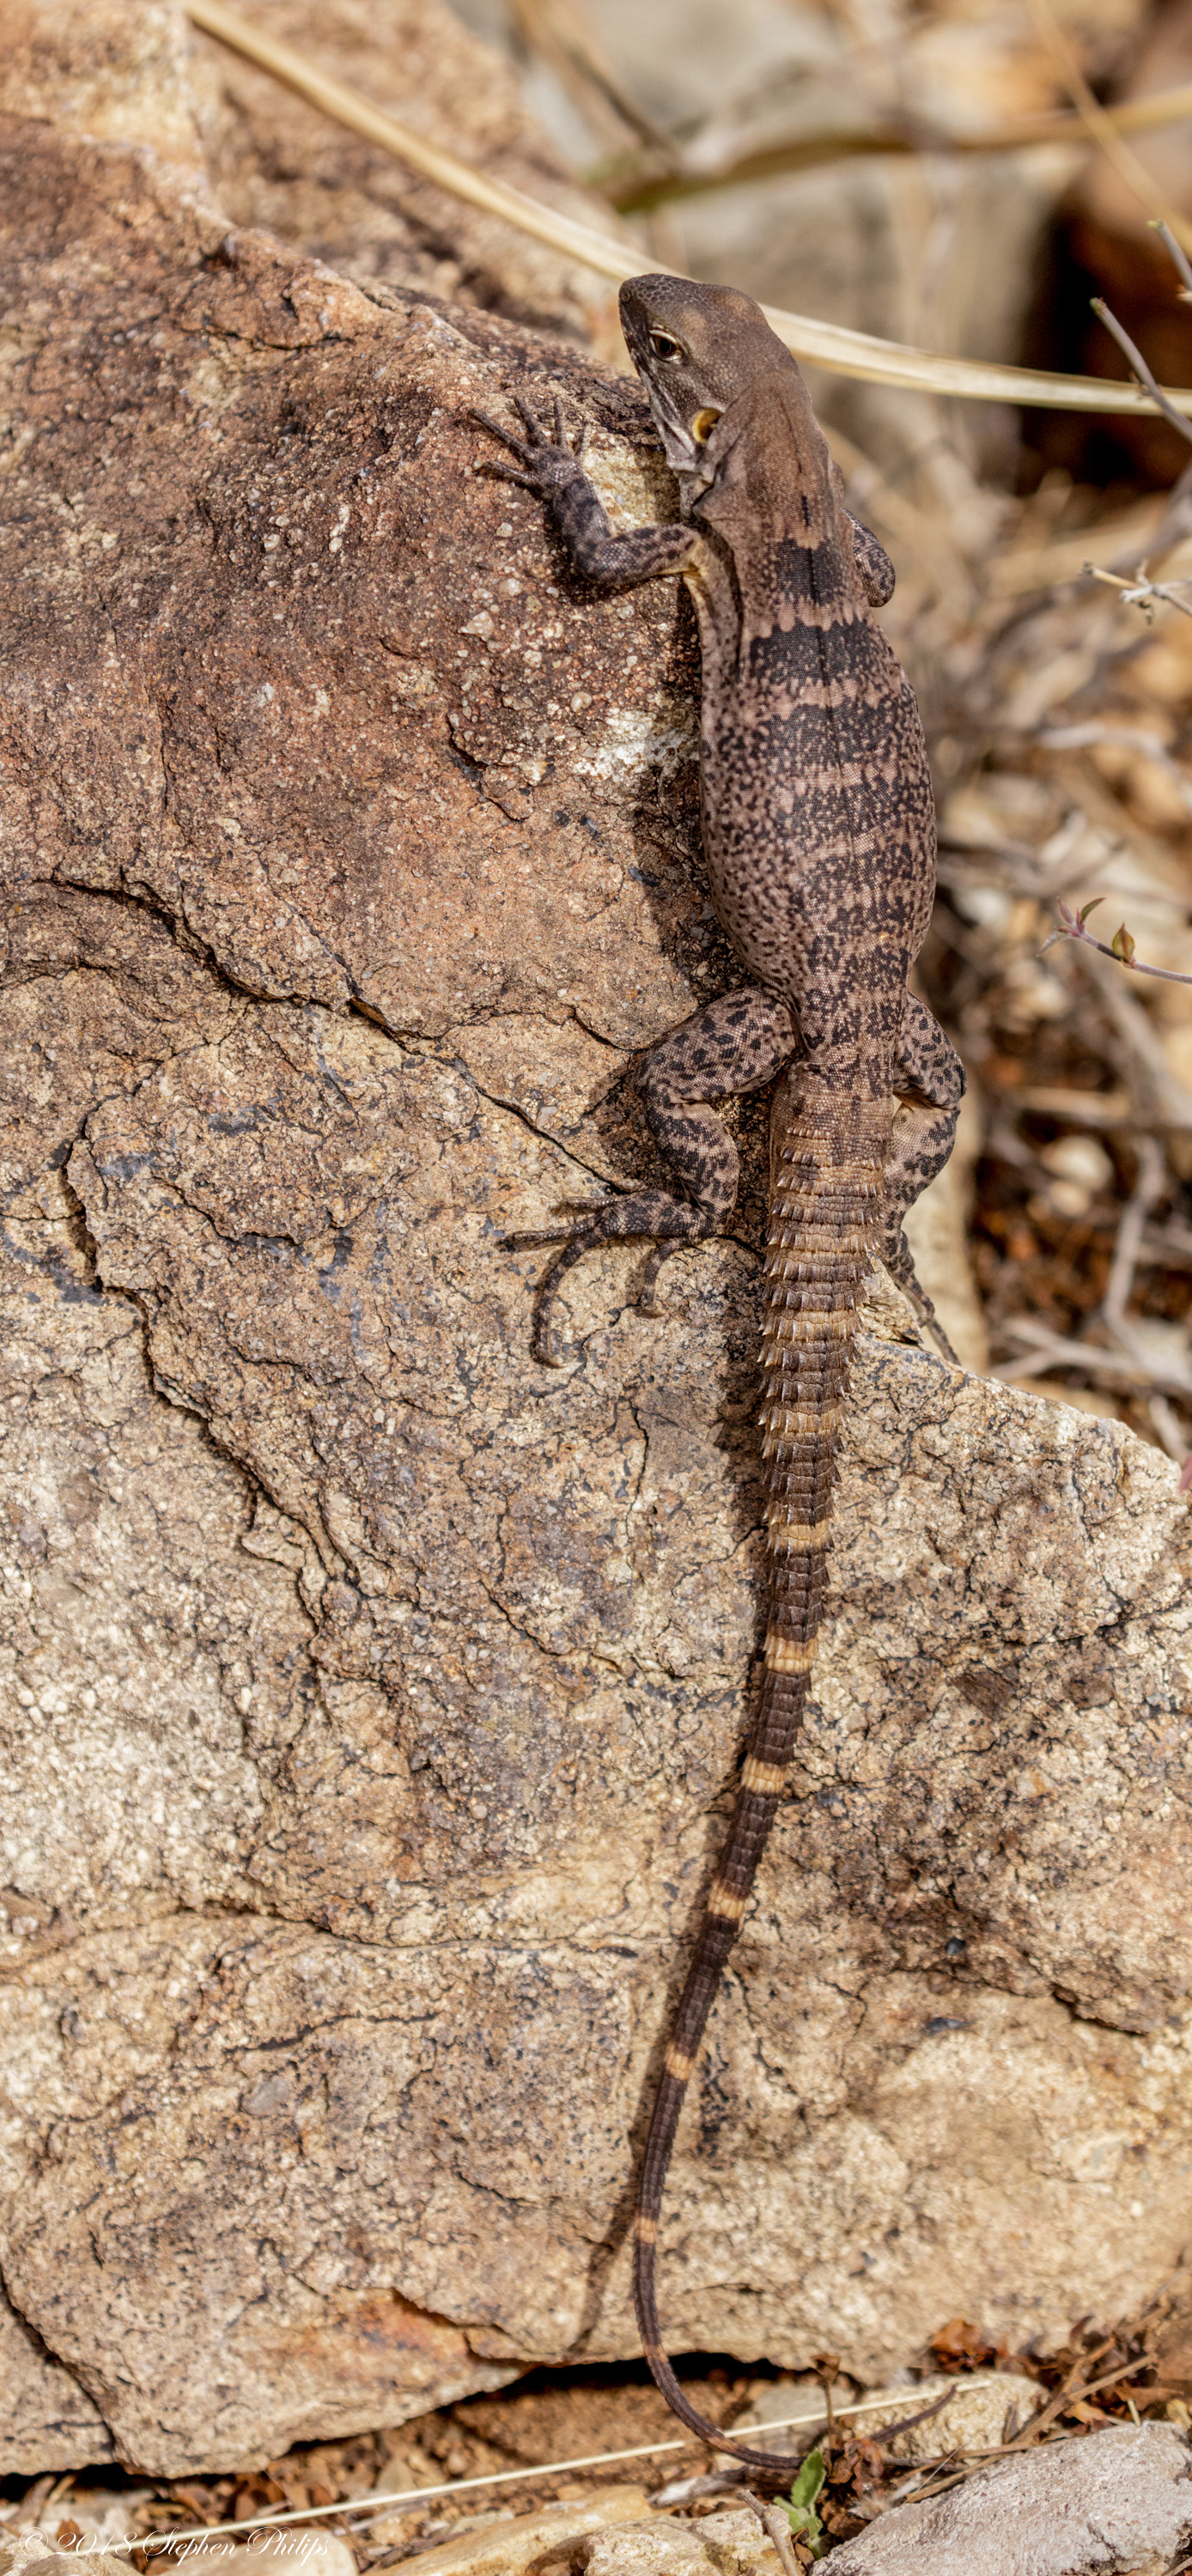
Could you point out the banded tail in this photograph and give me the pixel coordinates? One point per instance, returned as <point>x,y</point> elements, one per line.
<point>826,1200</point>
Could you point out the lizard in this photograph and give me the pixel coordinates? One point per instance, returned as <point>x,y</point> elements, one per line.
<point>819,834</point>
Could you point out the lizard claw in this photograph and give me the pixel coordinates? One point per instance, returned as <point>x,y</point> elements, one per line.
<point>572,1241</point>
<point>517,446</point>
<point>647,1303</point>
<point>530,1242</point>
<point>537,434</point>
<point>585,1209</point>
<point>494,472</point>
<point>546,463</point>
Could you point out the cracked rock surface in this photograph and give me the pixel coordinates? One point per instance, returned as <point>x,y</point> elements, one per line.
<point>371,1694</point>
<point>1121,2498</point>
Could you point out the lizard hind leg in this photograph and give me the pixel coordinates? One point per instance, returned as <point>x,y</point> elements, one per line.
<point>929,1083</point>
<point>734,1045</point>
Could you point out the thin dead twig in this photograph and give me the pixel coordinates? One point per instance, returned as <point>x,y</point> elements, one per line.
<point>933,2477</point>
<point>907,2423</point>
<point>1136,360</point>
<point>1120,949</point>
<point>825,344</point>
<point>1073,2392</point>
<point>1099,124</point>
<point>1179,255</point>
<point>1089,737</point>
<point>636,186</point>
<point>558,31</point>
<point>1140,591</point>
<point>1107,1368</point>
<point>1161,1099</point>
<point>374,2504</point>
<point>1149,1186</point>
<point>776,2528</point>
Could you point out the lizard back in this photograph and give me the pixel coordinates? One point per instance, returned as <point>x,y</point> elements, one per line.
<point>819,822</point>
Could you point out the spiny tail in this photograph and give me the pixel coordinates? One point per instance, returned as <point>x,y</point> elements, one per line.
<point>826,1199</point>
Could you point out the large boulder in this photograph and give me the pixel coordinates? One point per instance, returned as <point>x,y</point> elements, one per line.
<point>371,1694</point>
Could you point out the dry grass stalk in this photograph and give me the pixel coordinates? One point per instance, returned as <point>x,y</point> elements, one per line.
<point>824,344</point>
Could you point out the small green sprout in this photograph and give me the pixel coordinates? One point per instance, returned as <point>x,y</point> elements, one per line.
<point>800,2512</point>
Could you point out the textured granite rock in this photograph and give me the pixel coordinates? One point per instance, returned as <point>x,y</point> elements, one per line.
<point>520,2544</point>
<point>371,1695</point>
<point>1117,2499</point>
<point>276,162</point>
<point>33,2555</point>
<point>734,2544</point>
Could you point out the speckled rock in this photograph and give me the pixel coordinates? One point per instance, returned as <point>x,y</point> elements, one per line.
<point>980,2412</point>
<point>733,2544</point>
<point>519,2544</point>
<point>371,1696</point>
<point>276,162</point>
<point>1117,2499</point>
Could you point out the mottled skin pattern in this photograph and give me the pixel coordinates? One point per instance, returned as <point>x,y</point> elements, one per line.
<point>820,839</point>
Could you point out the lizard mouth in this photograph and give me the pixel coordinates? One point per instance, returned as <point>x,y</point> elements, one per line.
<point>682,454</point>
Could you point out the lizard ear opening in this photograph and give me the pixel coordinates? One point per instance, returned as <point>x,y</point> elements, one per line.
<point>703,425</point>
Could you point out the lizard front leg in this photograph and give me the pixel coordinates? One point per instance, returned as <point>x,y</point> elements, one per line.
<point>556,470</point>
<point>733,1045</point>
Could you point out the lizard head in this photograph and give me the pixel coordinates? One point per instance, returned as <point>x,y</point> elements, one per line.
<point>695,348</point>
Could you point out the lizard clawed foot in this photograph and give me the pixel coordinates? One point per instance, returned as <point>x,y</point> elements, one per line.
<point>584,1209</point>
<point>896,1255</point>
<point>584,1240</point>
<point>546,463</point>
<point>665,1223</point>
<point>928,1317</point>
<point>572,1241</point>
<point>542,1342</point>
<point>940,1338</point>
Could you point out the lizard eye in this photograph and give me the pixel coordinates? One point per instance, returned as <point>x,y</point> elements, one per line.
<point>663,346</point>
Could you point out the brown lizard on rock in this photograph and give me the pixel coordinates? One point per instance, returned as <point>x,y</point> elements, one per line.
<point>819,829</point>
